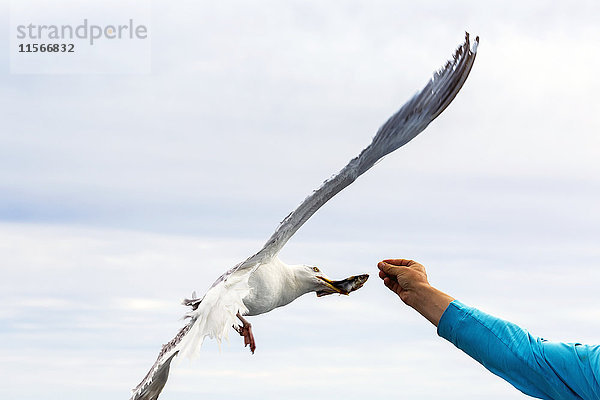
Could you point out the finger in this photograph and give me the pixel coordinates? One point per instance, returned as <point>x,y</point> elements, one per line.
<point>391,284</point>
<point>400,262</point>
<point>388,282</point>
<point>389,269</point>
<point>383,275</point>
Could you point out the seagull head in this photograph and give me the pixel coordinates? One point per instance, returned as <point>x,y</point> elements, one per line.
<point>322,285</point>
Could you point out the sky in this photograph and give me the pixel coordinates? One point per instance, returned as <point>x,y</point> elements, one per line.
<point>121,193</point>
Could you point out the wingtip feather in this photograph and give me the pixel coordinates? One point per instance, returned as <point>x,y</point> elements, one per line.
<point>475,45</point>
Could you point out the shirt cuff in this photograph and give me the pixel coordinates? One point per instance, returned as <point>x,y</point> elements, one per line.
<point>452,316</point>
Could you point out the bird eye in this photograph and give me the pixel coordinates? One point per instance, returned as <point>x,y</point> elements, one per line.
<point>316,269</point>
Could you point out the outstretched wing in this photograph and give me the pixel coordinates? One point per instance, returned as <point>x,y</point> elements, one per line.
<point>403,126</point>
<point>212,317</point>
<point>155,380</point>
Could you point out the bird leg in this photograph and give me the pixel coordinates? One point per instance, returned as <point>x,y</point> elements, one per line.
<point>245,330</point>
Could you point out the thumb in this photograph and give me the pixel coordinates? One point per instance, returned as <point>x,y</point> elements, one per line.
<point>388,269</point>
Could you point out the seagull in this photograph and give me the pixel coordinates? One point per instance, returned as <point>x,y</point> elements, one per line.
<point>263,282</point>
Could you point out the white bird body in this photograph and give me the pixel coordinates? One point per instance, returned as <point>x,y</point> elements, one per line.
<point>263,282</point>
<point>279,282</point>
<point>264,287</point>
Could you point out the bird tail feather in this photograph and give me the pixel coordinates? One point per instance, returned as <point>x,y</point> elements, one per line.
<point>216,313</point>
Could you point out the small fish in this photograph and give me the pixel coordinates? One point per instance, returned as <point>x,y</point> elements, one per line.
<point>345,286</point>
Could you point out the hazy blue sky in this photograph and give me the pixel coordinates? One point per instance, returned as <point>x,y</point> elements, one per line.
<point>122,193</point>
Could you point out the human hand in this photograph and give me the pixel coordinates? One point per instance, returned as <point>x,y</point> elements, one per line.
<point>403,277</point>
<point>408,279</point>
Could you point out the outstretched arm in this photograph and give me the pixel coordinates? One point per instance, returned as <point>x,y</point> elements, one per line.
<point>539,368</point>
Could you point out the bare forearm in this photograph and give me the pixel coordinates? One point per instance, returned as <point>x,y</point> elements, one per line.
<point>429,302</point>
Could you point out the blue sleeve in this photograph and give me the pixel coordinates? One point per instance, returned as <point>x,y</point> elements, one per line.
<point>539,368</point>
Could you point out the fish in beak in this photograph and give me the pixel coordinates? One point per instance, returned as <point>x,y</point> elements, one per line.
<point>345,286</point>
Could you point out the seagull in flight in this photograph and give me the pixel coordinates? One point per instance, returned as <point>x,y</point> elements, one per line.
<point>263,282</point>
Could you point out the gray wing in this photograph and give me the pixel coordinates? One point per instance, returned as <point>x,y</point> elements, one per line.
<point>155,380</point>
<point>403,126</point>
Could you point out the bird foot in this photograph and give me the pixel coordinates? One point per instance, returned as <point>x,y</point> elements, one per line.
<point>245,330</point>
